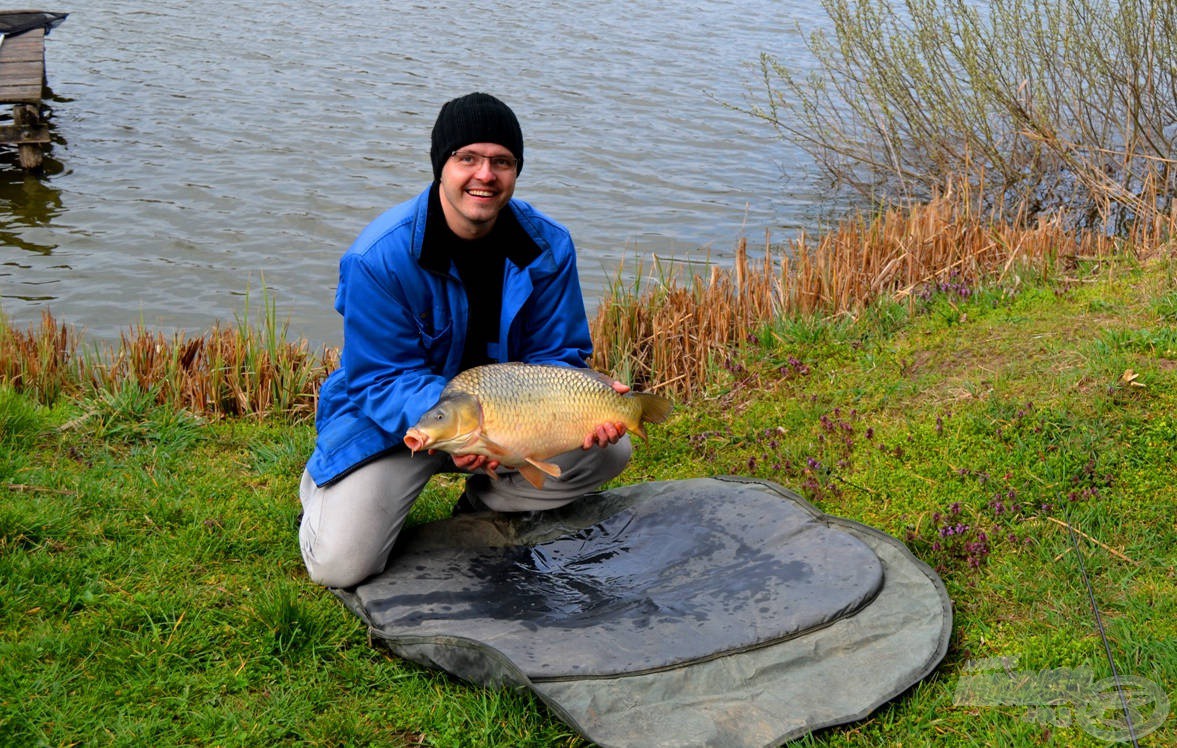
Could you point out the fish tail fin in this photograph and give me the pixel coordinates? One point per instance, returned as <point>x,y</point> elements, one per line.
<point>655,408</point>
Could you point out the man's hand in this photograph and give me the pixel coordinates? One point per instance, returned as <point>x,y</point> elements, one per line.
<point>473,463</point>
<point>607,433</point>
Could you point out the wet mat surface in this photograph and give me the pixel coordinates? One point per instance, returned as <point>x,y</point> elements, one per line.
<point>718,612</point>
<point>628,588</point>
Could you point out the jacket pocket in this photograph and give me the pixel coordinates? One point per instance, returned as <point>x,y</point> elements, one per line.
<point>435,344</point>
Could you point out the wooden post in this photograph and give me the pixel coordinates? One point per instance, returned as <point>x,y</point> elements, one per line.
<point>26,117</point>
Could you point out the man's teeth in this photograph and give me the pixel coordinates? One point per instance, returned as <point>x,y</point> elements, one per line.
<point>481,193</point>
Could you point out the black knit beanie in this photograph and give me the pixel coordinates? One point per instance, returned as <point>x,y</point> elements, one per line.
<point>474,118</point>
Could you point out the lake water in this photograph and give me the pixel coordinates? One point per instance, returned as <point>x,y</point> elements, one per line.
<point>205,148</point>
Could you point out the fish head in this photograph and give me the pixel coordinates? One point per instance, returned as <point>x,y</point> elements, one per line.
<point>454,422</point>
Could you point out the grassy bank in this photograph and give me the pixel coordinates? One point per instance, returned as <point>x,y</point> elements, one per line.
<point>151,591</point>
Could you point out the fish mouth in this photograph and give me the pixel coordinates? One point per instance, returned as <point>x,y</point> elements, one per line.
<point>416,440</point>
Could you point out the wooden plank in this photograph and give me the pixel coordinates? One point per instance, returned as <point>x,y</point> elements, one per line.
<point>24,134</point>
<point>29,46</point>
<point>21,71</point>
<point>22,67</point>
<point>25,93</point>
<point>25,54</point>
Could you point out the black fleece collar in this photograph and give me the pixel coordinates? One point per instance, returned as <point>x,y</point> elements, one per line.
<point>441,244</point>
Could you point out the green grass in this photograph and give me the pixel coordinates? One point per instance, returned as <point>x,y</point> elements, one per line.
<point>151,590</point>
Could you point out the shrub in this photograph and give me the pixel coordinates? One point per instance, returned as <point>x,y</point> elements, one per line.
<point>1045,106</point>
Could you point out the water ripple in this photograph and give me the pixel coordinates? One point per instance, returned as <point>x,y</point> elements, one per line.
<point>201,145</point>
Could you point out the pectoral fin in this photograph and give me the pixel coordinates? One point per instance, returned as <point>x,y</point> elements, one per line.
<point>535,471</point>
<point>493,449</point>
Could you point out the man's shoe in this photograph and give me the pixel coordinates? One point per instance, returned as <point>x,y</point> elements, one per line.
<point>467,504</point>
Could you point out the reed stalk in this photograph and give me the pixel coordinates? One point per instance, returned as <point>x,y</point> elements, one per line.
<point>227,371</point>
<point>667,330</point>
<point>670,336</point>
<point>40,361</point>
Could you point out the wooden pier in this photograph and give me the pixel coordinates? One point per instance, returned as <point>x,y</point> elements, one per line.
<point>22,85</point>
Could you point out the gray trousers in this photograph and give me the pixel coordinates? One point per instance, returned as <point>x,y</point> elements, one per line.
<point>349,526</point>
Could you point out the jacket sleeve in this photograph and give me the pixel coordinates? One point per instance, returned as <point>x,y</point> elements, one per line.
<point>388,376</point>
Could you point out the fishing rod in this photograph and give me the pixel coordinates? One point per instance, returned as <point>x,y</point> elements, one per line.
<point>1107,647</point>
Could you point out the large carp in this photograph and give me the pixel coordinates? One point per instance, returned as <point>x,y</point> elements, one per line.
<point>523,414</point>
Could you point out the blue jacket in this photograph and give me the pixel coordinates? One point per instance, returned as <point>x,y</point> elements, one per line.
<point>404,329</point>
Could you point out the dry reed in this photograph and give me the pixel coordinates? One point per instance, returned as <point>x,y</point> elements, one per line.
<point>669,337</point>
<point>42,362</point>
<point>228,371</point>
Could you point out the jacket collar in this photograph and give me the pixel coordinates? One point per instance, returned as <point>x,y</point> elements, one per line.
<point>436,254</point>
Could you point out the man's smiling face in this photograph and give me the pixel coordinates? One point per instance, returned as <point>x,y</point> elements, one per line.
<point>475,186</point>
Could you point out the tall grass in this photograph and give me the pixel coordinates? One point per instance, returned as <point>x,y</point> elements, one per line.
<point>672,335</point>
<point>670,332</point>
<point>41,361</point>
<point>240,370</point>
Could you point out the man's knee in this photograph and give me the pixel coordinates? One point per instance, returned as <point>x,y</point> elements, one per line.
<point>618,456</point>
<point>349,527</point>
<point>597,465</point>
<point>338,567</point>
<point>341,575</point>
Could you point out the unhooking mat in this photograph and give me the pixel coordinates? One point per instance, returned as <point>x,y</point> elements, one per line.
<point>708,612</point>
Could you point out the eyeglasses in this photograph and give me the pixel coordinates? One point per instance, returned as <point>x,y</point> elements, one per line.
<point>468,160</point>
